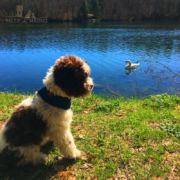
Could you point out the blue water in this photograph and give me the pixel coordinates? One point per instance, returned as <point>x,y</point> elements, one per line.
<point>26,53</point>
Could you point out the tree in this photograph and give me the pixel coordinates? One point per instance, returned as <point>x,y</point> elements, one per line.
<point>83,13</point>
<point>95,8</point>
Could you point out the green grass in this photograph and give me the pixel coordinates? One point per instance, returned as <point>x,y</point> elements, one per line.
<point>123,138</point>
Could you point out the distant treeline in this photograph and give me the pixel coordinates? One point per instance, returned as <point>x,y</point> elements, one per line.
<point>68,10</point>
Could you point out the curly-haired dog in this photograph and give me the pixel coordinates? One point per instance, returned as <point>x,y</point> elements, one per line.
<point>47,116</point>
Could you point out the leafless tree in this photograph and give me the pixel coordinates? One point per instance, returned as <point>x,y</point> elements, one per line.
<point>110,9</point>
<point>163,74</point>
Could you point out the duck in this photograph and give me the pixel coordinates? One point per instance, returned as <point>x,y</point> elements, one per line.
<point>131,66</point>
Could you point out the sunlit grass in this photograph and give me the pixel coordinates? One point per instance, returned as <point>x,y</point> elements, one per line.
<point>124,138</point>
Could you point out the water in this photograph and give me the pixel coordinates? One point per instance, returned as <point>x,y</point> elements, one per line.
<point>26,52</point>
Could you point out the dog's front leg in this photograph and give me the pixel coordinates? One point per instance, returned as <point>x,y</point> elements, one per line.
<point>65,143</point>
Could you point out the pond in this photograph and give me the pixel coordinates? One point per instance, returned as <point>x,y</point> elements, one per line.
<point>27,51</point>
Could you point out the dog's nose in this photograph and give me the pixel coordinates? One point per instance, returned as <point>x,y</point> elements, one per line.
<point>91,86</point>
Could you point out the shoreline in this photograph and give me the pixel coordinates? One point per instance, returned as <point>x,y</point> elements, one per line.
<point>49,20</point>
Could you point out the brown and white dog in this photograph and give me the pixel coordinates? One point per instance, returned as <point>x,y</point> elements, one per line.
<point>47,116</point>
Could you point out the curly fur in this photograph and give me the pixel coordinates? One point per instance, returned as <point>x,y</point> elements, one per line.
<point>35,122</point>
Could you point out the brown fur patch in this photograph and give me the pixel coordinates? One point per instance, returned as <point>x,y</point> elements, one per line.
<point>25,127</point>
<point>70,76</point>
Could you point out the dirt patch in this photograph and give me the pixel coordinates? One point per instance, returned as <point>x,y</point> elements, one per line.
<point>154,125</point>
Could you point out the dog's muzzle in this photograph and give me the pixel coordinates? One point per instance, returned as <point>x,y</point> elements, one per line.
<point>91,87</point>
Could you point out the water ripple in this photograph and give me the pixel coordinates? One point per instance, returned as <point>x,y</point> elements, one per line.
<point>27,52</point>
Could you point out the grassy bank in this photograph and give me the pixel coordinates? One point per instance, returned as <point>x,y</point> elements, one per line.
<point>127,139</point>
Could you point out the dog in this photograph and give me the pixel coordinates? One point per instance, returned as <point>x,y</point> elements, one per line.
<point>48,116</point>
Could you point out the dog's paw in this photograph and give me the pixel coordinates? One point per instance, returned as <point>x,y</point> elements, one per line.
<point>41,159</point>
<point>73,155</point>
<point>77,153</point>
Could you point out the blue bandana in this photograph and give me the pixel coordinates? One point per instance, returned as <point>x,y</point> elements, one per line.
<point>56,101</point>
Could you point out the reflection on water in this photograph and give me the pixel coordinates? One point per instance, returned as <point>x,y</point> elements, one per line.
<point>128,71</point>
<point>26,52</point>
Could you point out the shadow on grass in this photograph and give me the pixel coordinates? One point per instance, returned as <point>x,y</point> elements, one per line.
<point>10,171</point>
<point>29,172</point>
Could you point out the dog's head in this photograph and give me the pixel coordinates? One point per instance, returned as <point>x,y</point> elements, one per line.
<point>70,77</point>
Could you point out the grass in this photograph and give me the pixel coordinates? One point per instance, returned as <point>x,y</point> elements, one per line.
<point>121,138</point>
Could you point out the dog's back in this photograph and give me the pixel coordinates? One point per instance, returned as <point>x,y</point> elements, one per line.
<point>24,127</point>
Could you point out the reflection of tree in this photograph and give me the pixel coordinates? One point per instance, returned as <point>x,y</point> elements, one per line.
<point>90,36</point>
<point>145,40</point>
